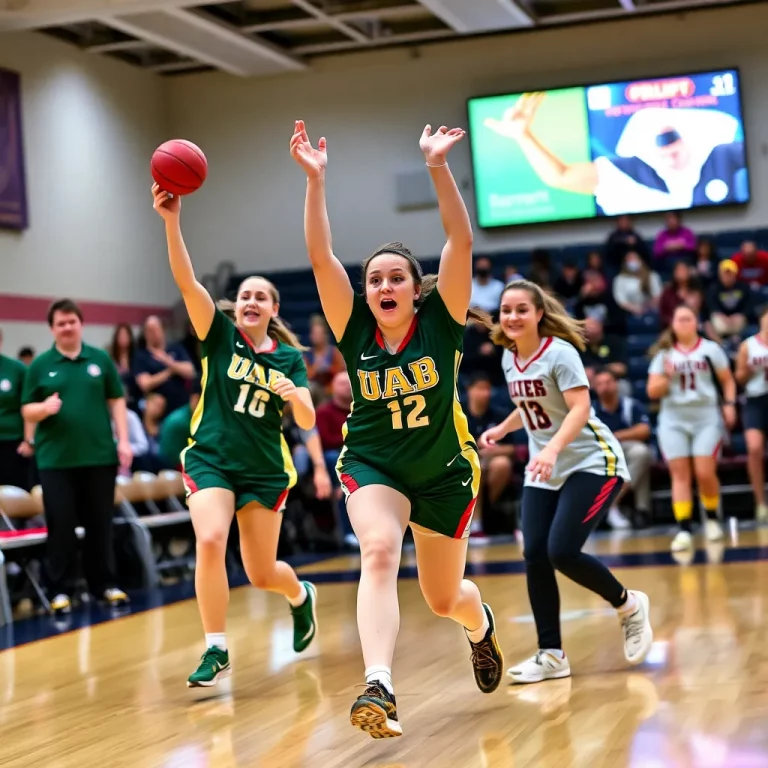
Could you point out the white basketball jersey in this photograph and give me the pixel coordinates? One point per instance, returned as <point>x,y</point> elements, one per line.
<point>692,383</point>
<point>757,359</point>
<point>536,388</point>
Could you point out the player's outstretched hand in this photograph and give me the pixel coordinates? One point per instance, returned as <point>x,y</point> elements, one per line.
<point>167,206</point>
<point>541,467</point>
<point>437,146</point>
<point>313,161</point>
<point>490,437</point>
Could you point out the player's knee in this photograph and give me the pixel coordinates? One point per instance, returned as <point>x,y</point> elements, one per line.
<point>441,605</point>
<point>561,555</point>
<point>261,578</point>
<point>211,543</point>
<point>379,555</point>
<point>500,465</point>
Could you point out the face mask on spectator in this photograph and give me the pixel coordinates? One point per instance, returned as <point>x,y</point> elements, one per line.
<point>633,266</point>
<point>482,272</point>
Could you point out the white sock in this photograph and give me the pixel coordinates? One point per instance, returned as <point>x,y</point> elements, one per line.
<point>476,635</point>
<point>382,675</point>
<point>630,605</point>
<point>216,640</point>
<point>557,652</point>
<point>302,596</point>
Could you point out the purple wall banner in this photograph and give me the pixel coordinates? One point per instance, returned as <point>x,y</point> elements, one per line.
<point>13,191</point>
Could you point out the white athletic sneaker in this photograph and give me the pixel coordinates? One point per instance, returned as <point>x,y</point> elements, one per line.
<point>713,530</point>
<point>638,634</point>
<point>544,665</point>
<point>617,520</point>
<point>761,513</point>
<point>682,541</point>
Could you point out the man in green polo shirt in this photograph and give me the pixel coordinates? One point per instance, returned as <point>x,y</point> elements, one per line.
<point>14,450</point>
<point>72,393</point>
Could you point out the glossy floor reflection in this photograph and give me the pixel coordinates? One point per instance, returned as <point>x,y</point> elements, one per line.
<point>114,695</point>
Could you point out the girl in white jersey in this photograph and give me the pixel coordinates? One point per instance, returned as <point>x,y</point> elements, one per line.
<point>752,374</point>
<point>682,375</point>
<point>576,470</point>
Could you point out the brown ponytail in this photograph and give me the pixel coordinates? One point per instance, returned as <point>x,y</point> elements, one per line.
<point>276,328</point>
<point>426,283</point>
<point>555,321</point>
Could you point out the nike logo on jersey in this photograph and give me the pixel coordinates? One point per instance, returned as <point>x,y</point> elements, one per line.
<point>52,373</point>
<point>238,344</point>
<point>367,357</point>
<point>467,482</point>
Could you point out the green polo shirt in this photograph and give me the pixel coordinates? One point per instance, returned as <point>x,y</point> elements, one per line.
<point>80,434</point>
<point>11,382</point>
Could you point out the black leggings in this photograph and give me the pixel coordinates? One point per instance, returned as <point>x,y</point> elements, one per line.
<point>555,526</point>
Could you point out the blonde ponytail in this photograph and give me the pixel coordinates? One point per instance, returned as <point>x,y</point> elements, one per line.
<point>555,321</point>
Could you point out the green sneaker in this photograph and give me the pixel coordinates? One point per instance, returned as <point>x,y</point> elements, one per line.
<point>305,619</point>
<point>214,665</point>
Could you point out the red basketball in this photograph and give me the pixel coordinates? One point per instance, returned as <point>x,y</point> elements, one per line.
<point>179,167</point>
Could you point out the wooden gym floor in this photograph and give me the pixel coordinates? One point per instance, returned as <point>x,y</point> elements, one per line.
<point>113,693</point>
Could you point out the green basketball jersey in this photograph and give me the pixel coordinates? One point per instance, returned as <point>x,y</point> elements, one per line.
<point>406,419</point>
<point>237,425</point>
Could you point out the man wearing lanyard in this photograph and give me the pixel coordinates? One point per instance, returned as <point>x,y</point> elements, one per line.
<point>70,392</point>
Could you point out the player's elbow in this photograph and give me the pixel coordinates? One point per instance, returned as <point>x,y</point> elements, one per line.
<point>304,418</point>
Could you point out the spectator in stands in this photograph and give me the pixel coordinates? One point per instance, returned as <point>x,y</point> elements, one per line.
<point>323,359</point>
<point>486,289</point>
<point>122,349</point>
<point>698,303</point>
<point>594,271</point>
<point>330,419</point>
<point>174,431</point>
<point>675,241</point>
<point>541,270</point>
<point>26,355</point>
<point>752,264</point>
<point>730,302</point>
<point>596,301</point>
<point>154,411</point>
<point>621,241</point>
<point>706,259</point>
<point>161,367</point>
<point>497,460</point>
<point>568,283</point>
<point>680,290</point>
<point>137,437</point>
<point>511,272</point>
<point>603,351</point>
<point>480,354</point>
<point>76,453</point>
<point>636,288</point>
<point>628,420</point>
<point>15,448</point>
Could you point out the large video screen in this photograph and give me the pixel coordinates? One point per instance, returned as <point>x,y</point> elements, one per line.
<point>639,146</point>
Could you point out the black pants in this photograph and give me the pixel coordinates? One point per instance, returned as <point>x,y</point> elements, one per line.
<point>14,469</point>
<point>555,526</point>
<point>79,496</point>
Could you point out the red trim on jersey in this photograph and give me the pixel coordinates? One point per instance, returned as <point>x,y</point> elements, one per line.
<point>281,501</point>
<point>597,505</point>
<point>253,346</point>
<point>541,350</point>
<point>465,518</point>
<point>716,452</point>
<point>190,483</point>
<point>349,482</point>
<point>21,534</point>
<point>404,342</point>
<point>692,349</point>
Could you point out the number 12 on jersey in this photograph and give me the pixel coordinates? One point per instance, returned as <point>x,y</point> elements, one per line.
<point>413,406</point>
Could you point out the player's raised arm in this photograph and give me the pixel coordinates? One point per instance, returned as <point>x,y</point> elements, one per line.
<point>454,278</point>
<point>196,298</point>
<point>332,280</point>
